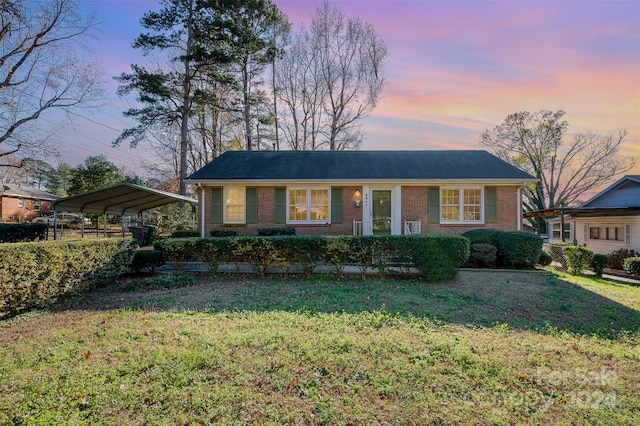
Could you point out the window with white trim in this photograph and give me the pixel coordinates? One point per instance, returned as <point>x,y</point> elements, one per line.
<point>36,205</point>
<point>21,202</point>
<point>307,205</point>
<point>461,205</point>
<point>234,205</point>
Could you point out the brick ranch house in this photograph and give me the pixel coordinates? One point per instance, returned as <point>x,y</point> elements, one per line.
<point>359,192</point>
<point>21,203</point>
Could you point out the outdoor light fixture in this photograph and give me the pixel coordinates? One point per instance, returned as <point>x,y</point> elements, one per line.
<point>357,198</point>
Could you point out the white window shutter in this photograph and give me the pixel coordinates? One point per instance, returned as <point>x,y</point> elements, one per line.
<point>627,234</point>
<point>586,232</point>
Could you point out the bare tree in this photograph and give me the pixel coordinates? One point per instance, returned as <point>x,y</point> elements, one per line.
<point>331,80</point>
<point>40,70</point>
<point>536,143</point>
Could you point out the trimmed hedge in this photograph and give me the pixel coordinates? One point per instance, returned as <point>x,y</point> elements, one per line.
<point>483,255</point>
<point>147,259</point>
<point>483,236</point>
<point>436,256</point>
<point>578,258</point>
<point>272,232</point>
<point>23,232</point>
<point>519,250</point>
<point>185,233</point>
<point>632,266</point>
<point>218,233</point>
<point>37,273</point>
<point>545,259</point>
<point>515,249</point>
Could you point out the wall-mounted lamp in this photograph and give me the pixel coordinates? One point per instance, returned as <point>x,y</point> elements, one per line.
<point>357,198</point>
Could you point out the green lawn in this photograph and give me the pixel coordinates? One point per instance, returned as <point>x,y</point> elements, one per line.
<point>488,348</point>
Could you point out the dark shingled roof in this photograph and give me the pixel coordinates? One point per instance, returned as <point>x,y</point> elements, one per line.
<point>357,165</point>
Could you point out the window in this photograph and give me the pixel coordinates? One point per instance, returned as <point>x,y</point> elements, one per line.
<point>461,205</point>
<point>308,205</point>
<point>555,231</point>
<point>20,202</point>
<point>609,233</point>
<point>615,233</point>
<point>234,205</point>
<point>36,205</point>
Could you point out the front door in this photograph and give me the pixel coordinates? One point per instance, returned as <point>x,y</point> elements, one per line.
<point>381,211</point>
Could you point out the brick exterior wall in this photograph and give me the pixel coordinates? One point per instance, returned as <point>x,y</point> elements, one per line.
<point>414,207</point>
<point>10,212</point>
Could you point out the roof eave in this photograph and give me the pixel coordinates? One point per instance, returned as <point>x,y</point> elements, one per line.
<point>390,181</point>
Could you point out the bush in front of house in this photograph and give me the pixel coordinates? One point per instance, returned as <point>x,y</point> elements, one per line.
<point>617,258</point>
<point>37,273</point>
<point>578,258</point>
<point>518,250</point>
<point>483,236</point>
<point>147,259</point>
<point>632,266</point>
<point>22,232</point>
<point>185,233</point>
<point>545,259</point>
<point>436,256</point>
<point>220,233</point>
<point>483,255</point>
<point>272,232</point>
<point>599,262</point>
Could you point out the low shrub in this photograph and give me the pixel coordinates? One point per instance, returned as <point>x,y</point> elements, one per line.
<point>23,232</point>
<point>617,258</point>
<point>429,253</point>
<point>221,233</point>
<point>578,258</point>
<point>438,256</point>
<point>545,259</point>
<point>519,250</point>
<point>482,255</point>
<point>147,259</point>
<point>272,232</point>
<point>599,262</point>
<point>158,282</point>
<point>632,265</point>
<point>185,233</point>
<point>483,236</point>
<point>37,273</point>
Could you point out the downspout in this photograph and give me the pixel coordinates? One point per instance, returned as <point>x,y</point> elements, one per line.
<point>202,215</point>
<point>519,208</point>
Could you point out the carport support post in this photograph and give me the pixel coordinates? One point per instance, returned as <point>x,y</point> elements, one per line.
<point>82,223</point>
<point>105,225</point>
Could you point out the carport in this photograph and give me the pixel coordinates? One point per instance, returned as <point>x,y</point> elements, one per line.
<point>124,199</point>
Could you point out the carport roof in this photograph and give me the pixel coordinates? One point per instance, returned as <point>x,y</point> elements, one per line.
<point>124,199</point>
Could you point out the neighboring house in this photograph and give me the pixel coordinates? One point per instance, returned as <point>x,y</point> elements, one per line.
<point>607,222</point>
<point>20,202</point>
<point>359,192</point>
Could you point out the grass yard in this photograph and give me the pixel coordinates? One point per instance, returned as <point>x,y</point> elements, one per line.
<point>488,348</point>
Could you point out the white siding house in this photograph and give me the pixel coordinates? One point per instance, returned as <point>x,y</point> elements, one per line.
<point>609,221</point>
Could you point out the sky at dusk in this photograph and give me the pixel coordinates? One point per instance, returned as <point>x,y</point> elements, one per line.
<point>455,69</point>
